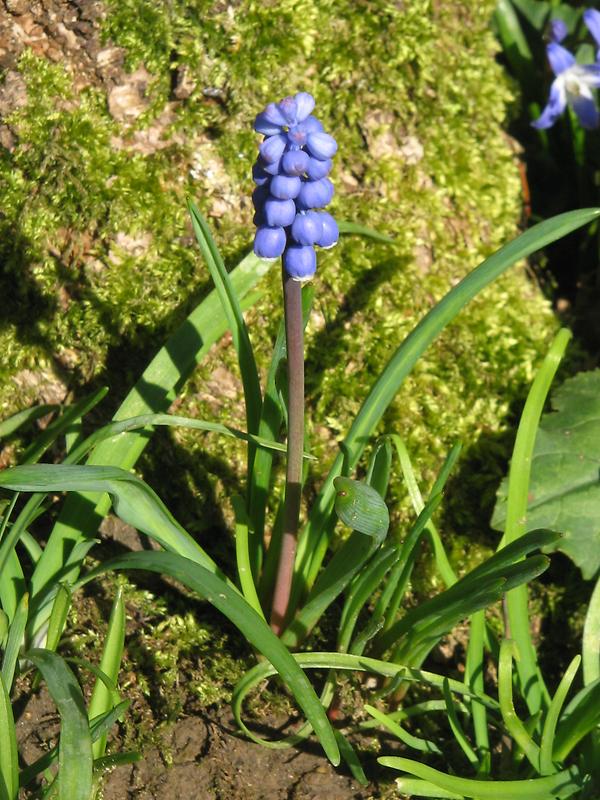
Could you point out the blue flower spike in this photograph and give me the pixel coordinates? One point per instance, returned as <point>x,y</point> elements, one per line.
<point>291,178</point>
<point>574,83</point>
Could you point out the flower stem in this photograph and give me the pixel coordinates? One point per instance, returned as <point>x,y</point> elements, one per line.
<point>294,333</point>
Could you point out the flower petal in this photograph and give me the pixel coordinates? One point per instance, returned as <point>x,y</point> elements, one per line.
<point>305,103</point>
<point>556,105</point>
<point>586,110</point>
<point>331,233</point>
<point>318,169</point>
<point>315,194</point>
<point>295,162</point>
<point>311,125</point>
<point>588,75</point>
<point>279,213</point>
<point>289,109</point>
<point>558,30</point>
<point>559,57</point>
<point>285,187</point>
<point>591,17</point>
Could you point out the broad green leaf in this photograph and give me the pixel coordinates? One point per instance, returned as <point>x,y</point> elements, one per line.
<point>133,501</point>
<point>314,539</point>
<point>255,630</point>
<point>75,762</point>
<point>564,493</point>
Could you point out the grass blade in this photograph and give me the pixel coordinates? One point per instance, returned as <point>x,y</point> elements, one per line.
<point>532,682</point>
<point>423,745</point>
<point>233,312</point>
<point>258,634</point>
<point>474,679</point>
<point>591,639</point>
<point>75,763</point>
<point>580,717</point>
<point>561,785</point>
<point>549,730</point>
<point>12,424</point>
<point>154,392</point>
<point>363,230</point>
<point>15,640</point>
<point>456,728</point>
<point>242,552</point>
<point>505,694</point>
<point>103,700</point>
<point>9,762</point>
<point>315,538</point>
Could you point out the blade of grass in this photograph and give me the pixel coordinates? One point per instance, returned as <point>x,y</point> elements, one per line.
<point>315,538</point>
<point>233,312</point>
<point>474,679</point>
<point>549,730</point>
<point>258,634</point>
<point>531,679</point>
<point>102,699</point>
<point>457,730</point>
<point>591,639</point>
<point>9,762</point>
<point>12,424</point>
<point>561,785</point>
<point>14,642</point>
<point>154,392</point>
<point>75,763</point>
<point>505,694</point>
<point>580,717</point>
<point>423,745</point>
<point>244,567</point>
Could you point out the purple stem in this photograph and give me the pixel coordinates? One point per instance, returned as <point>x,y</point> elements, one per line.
<point>294,334</point>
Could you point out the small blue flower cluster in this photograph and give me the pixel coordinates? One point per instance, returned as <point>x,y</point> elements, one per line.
<point>574,83</point>
<point>291,182</point>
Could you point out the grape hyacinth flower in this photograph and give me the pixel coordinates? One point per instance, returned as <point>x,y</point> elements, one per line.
<point>572,85</point>
<point>291,178</point>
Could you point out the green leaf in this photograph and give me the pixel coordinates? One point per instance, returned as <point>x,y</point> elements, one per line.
<point>233,312</point>
<point>362,230</point>
<point>12,424</point>
<point>9,763</point>
<point>564,493</point>
<point>103,700</point>
<point>314,539</point>
<point>14,642</point>
<point>154,392</point>
<point>560,785</point>
<point>256,631</point>
<point>75,762</point>
<point>361,508</point>
<point>133,501</point>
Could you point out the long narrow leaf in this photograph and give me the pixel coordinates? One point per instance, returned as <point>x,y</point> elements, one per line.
<point>233,312</point>
<point>75,762</point>
<point>154,392</point>
<point>530,676</point>
<point>9,763</point>
<point>14,642</point>
<point>548,733</point>
<point>231,603</point>
<point>561,785</point>
<point>316,535</point>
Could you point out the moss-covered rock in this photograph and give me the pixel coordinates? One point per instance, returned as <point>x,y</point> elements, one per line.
<point>98,259</point>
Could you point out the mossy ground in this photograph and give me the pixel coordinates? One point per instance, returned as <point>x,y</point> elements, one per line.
<point>100,264</point>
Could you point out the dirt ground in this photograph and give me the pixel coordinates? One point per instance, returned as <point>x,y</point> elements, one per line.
<point>202,758</point>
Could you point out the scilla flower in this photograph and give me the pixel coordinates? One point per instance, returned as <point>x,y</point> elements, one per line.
<point>591,17</point>
<point>291,178</point>
<point>572,86</point>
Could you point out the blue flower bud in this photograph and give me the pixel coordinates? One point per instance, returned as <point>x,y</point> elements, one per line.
<point>321,145</point>
<point>315,194</point>
<point>272,148</point>
<point>285,187</point>
<point>299,262</point>
<point>295,162</point>
<point>307,228</point>
<point>329,230</point>
<point>316,169</point>
<point>305,103</point>
<point>279,212</point>
<point>269,242</point>
<point>259,176</point>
